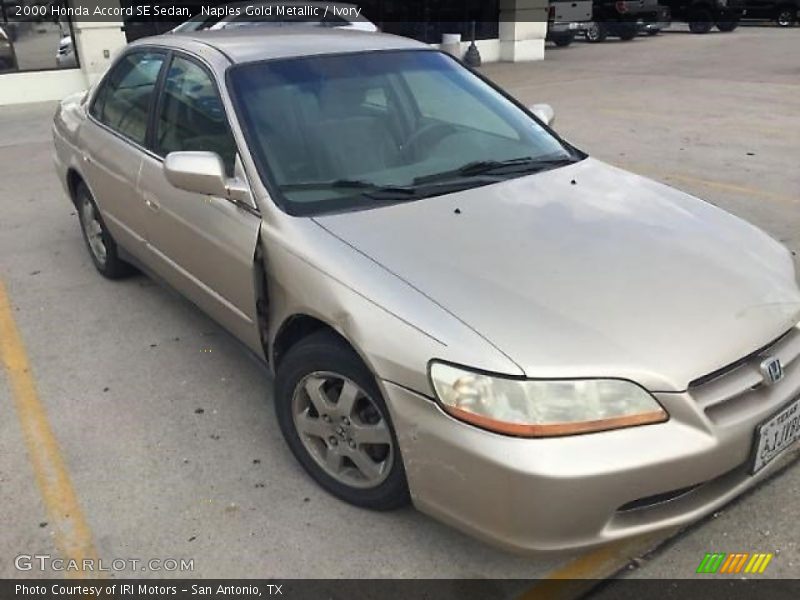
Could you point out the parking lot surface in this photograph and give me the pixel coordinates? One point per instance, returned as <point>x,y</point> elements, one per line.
<point>133,427</point>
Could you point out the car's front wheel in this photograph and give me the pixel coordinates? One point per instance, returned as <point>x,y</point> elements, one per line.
<point>333,416</point>
<point>700,21</point>
<point>786,16</point>
<point>563,40</point>
<point>101,245</point>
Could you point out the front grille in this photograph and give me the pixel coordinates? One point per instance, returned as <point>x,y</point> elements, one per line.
<point>738,391</point>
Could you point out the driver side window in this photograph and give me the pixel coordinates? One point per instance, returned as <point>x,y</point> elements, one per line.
<point>191,115</point>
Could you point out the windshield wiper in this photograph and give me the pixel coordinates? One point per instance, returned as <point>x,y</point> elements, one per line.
<point>365,188</point>
<point>335,184</point>
<point>525,164</point>
<point>426,190</point>
<point>394,193</point>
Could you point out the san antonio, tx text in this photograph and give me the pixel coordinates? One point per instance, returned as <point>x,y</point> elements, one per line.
<point>60,589</point>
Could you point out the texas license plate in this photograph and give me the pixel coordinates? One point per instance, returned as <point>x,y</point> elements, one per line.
<point>776,434</point>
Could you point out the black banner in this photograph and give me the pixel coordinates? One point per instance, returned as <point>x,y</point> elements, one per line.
<point>377,11</point>
<point>715,588</point>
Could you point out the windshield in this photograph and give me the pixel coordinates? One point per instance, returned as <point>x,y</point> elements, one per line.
<point>345,132</point>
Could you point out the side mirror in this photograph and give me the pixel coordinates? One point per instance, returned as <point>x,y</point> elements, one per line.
<point>544,112</point>
<point>198,172</point>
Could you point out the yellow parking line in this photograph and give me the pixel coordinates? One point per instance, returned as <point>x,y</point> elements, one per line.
<point>734,188</point>
<point>584,572</point>
<point>724,186</point>
<point>73,537</point>
<point>744,124</point>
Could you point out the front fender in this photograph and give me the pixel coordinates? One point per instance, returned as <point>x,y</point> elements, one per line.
<point>395,328</point>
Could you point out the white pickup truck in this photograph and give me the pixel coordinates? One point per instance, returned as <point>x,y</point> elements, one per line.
<point>566,19</point>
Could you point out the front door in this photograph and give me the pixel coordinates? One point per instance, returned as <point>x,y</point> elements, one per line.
<point>202,245</point>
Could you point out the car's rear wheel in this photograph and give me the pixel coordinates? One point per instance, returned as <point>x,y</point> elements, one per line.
<point>101,245</point>
<point>700,21</point>
<point>333,416</point>
<point>596,32</point>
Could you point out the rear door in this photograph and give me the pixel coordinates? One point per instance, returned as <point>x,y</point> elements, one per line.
<point>113,140</point>
<point>202,245</point>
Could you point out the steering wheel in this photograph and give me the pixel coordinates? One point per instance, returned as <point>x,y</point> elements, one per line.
<point>430,134</point>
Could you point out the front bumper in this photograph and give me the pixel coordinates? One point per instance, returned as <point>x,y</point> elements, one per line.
<point>530,495</point>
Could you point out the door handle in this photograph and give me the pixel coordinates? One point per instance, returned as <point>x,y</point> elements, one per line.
<point>151,203</point>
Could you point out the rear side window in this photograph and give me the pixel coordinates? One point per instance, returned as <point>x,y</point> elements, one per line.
<point>124,100</point>
<point>191,115</point>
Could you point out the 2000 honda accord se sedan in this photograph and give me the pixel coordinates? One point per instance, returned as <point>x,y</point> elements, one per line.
<point>461,309</point>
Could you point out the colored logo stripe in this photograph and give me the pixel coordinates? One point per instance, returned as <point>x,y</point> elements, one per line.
<point>720,562</point>
<point>711,562</point>
<point>734,563</point>
<point>758,564</point>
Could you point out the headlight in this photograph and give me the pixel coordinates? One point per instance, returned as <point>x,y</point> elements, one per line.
<point>542,408</point>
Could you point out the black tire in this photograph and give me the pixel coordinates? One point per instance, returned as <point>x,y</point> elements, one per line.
<point>628,31</point>
<point>562,41</point>
<point>111,266</point>
<point>786,16</point>
<point>727,26</point>
<point>597,32</point>
<point>324,352</point>
<point>700,21</point>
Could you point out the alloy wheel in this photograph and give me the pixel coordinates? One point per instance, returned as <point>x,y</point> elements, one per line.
<point>90,221</point>
<point>785,18</point>
<point>342,429</point>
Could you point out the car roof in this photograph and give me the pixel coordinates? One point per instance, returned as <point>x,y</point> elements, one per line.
<point>264,43</point>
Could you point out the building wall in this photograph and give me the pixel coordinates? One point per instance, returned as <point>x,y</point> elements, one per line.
<point>40,86</point>
<point>97,44</point>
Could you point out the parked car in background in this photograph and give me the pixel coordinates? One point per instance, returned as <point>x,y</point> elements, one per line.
<point>566,19</point>
<point>8,57</point>
<point>702,15</point>
<point>663,20</point>
<point>783,12</point>
<point>66,58</point>
<point>335,15</point>
<point>462,309</point>
<point>625,19</point>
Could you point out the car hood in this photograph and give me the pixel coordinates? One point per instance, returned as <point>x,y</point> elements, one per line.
<point>589,270</point>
